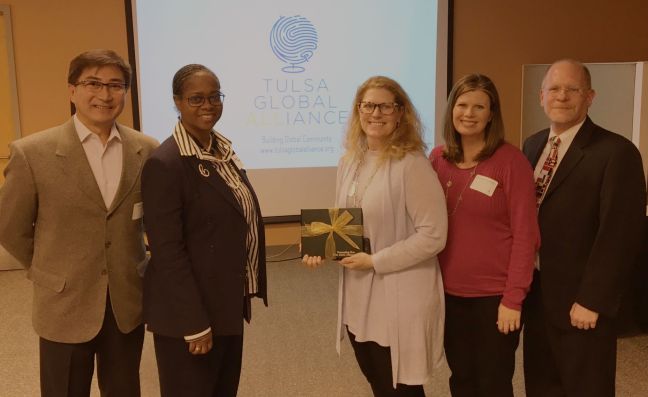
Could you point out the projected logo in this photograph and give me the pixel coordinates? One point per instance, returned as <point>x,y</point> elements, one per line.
<point>293,40</point>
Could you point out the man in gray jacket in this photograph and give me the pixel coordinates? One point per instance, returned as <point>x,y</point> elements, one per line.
<point>71,213</point>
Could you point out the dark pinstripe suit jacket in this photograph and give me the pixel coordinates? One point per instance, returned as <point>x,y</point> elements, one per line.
<point>196,231</point>
<point>591,222</point>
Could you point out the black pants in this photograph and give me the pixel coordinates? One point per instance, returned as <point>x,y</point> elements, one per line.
<point>66,369</point>
<point>215,374</point>
<point>482,359</point>
<point>566,362</point>
<point>375,363</point>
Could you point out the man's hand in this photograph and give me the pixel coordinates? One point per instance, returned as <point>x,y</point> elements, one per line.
<point>582,318</point>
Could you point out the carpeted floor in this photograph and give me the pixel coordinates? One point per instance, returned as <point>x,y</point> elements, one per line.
<point>289,347</point>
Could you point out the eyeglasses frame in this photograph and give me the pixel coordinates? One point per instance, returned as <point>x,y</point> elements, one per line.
<point>97,86</point>
<point>396,105</point>
<point>218,102</point>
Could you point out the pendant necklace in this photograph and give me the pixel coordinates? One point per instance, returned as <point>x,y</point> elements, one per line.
<point>353,189</point>
<point>449,184</point>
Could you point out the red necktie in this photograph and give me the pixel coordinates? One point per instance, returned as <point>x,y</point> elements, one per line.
<point>547,170</point>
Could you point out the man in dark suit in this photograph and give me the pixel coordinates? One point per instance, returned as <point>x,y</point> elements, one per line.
<point>591,204</point>
<point>71,213</point>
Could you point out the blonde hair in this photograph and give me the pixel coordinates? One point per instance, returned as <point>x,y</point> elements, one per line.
<point>408,135</point>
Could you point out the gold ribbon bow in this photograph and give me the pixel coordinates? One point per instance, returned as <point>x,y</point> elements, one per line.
<point>339,225</point>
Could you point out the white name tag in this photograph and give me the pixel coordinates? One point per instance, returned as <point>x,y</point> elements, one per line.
<point>138,210</point>
<point>484,184</point>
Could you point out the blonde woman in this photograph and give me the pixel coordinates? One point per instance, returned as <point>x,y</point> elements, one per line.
<point>391,301</point>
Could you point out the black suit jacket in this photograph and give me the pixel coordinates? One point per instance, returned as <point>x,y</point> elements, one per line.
<point>591,222</point>
<point>196,232</point>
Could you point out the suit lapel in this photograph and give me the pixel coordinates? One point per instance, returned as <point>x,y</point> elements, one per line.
<point>572,157</point>
<point>131,165</point>
<point>536,150</point>
<point>207,172</point>
<point>74,164</point>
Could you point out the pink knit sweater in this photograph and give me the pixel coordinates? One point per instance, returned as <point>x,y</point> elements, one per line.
<point>492,240</point>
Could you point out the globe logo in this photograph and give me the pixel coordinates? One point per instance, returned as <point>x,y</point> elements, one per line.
<point>293,40</point>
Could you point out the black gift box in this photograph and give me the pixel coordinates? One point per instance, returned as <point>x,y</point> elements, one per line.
<point>332,233</point>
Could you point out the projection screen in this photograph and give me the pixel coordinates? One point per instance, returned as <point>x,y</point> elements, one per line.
<point>289,70</point>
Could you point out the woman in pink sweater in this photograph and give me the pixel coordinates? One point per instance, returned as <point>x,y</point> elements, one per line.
<point>493,236</point>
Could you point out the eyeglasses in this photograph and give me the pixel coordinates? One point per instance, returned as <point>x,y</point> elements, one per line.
<point>386,108</point>
<point>214,100</point>
<point>96,86</point>
<point>555,90</point>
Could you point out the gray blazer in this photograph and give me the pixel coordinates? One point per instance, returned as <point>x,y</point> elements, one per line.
<point>54,221</point>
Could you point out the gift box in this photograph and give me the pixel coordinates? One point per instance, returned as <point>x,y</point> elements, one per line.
<point>332,233</point>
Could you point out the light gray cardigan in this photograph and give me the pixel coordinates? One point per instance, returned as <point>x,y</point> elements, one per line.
<point>411,232</point>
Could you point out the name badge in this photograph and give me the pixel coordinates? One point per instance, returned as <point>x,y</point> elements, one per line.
<point>484,184</point>
<point>138,210</point>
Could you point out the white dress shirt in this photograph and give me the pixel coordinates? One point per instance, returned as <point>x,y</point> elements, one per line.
<point>105,160</point>
<point>566,138</point>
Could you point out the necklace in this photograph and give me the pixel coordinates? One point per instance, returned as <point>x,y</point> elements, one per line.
<point>217,153</point>
<point>228,174</point>
<point>353,193</point>
<point>449,184</point>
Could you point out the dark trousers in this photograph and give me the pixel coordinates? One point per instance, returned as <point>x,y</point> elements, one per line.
<point>482,359</point>
<point>375,363</point>
<point>215,374</point>
<point>66,369</point>
<point>561,362</point>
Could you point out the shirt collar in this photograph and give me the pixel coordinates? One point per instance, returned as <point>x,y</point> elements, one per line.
<point>568,135</point>
<point>84,132</point>
<point>189,147</point>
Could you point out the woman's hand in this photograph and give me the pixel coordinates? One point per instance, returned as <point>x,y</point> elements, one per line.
<point>508,320</point>
<point>359,261</point>
<point>312,261</point>
<point>201,345</point>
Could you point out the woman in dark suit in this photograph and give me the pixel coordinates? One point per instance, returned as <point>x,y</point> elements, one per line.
<point>206,237</point>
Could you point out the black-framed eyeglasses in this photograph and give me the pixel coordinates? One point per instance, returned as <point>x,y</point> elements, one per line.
<point>214,100</point>
<point>386,108</point>
<point>97,86</point>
